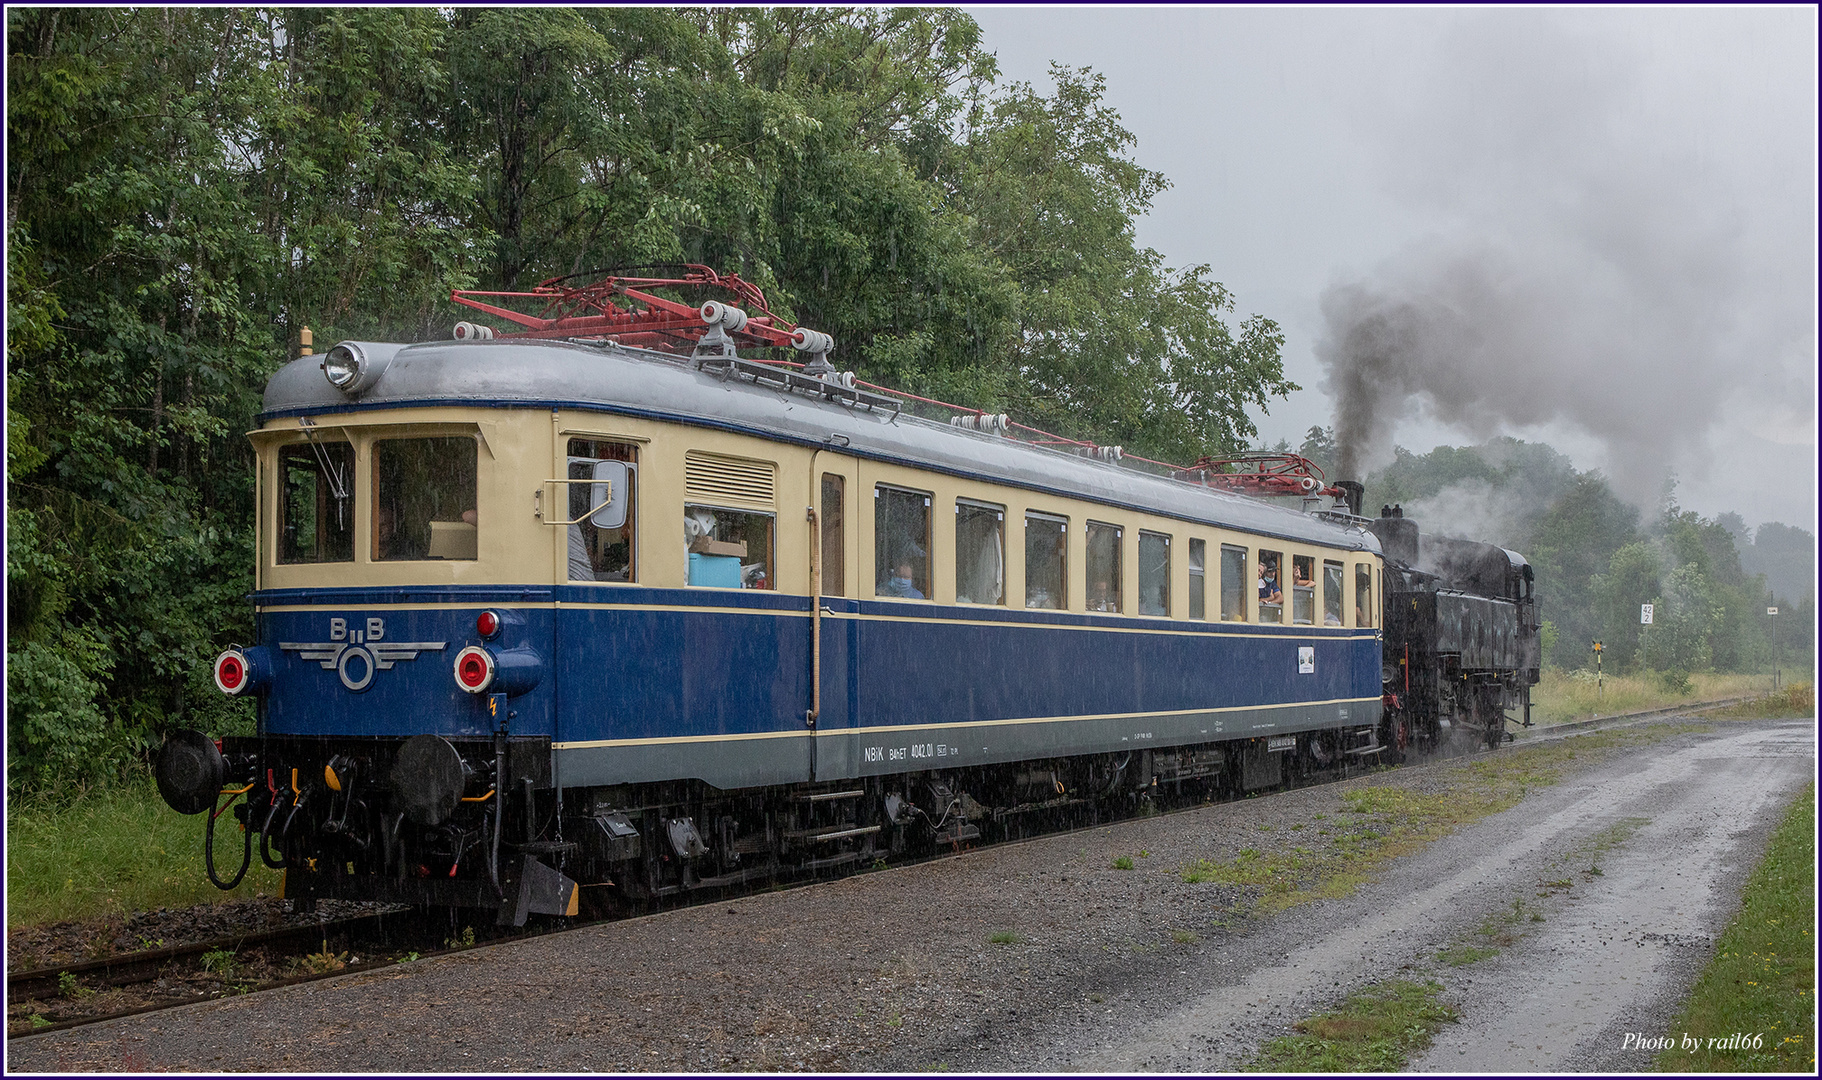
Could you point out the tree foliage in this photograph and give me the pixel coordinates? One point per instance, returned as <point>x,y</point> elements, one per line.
<point>1595,561</point>
<point>187,188</point>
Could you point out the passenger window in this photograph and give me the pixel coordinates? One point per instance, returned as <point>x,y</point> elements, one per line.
<point>1363,595</point>
<point>728,549</point>
<point>1234,584</point>
<point>424,498</point>
<point>1303,590</point>
<point>1103,567</point>
<point>834,577</point>
<point>1198,579</point>
<point>1154,573</point>
<point>901,543</point>
<point>1271,590</point>
<point>980,553</point>
<point>316,502</point>
<point>595,553</point>
<point>1046,563</point>
<point>1331,594</point>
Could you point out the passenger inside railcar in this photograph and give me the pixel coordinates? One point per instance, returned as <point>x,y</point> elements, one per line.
<point>1303,590</point>
<point>901,553</point>
<point>1271,597</point>
<point>900,584</point>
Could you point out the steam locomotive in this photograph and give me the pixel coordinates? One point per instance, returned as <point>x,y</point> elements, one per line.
<point>604,604</point>
<point>1462,646</point>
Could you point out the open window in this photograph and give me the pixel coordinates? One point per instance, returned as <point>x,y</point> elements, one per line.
<point>424,498</point>
<point>1046,561</point>
<point>1198,579</point>
<point>316,502</point>
<point>1271,587</point>
<point>1154,573</point>
<point>601,543</point>
<point>1303,590</point>
<point>980,553</point>
<point>901,543</point>
<point>1363,595</point>
<point>1234,583</point>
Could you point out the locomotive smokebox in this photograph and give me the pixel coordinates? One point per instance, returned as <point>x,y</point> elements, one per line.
<point>1355,492</point>
<point>1397,538</point>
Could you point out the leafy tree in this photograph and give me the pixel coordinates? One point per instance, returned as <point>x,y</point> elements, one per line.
<point>1634,576</point>
<point>189,188</point>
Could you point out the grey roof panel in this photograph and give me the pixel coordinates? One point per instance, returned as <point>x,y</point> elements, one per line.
<point>533,373</point>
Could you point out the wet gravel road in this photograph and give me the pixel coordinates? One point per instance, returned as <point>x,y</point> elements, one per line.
<point>1047,956</point>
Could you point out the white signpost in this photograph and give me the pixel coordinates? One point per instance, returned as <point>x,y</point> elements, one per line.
<point>1773,613</point>
<point>1644,614</point>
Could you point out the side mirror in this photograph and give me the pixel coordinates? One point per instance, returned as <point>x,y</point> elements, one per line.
<point>608,492</point>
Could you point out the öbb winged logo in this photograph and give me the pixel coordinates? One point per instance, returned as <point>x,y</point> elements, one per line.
<point>362,649</point>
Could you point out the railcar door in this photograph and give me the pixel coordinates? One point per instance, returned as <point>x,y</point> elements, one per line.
<point>834,543</point>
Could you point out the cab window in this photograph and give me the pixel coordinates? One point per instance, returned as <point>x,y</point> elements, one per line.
<point>596,553</point>
<point>424,498</point>
<point>316,502</point>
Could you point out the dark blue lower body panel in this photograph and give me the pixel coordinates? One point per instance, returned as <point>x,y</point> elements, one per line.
<point>653,684</point>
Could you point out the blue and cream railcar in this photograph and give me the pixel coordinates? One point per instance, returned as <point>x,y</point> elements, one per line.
<point>534,613</point>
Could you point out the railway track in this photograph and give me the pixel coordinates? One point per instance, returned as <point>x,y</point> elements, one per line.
<point>73,995</point>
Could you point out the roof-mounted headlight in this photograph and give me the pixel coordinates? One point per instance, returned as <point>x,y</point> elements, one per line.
<point>353,366</point>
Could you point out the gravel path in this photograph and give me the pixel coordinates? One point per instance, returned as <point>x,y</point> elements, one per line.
<point>1045,956</point>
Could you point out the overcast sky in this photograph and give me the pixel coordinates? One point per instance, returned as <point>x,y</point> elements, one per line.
<point>1592,228</point>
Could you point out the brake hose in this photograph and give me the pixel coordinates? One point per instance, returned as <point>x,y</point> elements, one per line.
<point>265,836</point>
<point>208,846</point>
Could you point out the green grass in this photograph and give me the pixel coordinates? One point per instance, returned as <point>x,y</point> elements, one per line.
<point>1375,1030</point>
<point>1762,981</point>
<point>1791,699</point>
<point>113,851</point>
<point>1561,697</point>
<point>1124,862</point>
<point>1003,937</point>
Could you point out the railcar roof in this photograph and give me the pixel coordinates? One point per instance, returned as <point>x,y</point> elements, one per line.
<point>529,373</point>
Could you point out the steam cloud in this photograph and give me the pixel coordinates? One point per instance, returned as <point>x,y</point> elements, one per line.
<point>1600,272</point>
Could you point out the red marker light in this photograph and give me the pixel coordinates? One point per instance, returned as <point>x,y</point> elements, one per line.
<point>474,669</point>
<point>487,624</point>
<point>231,672</point>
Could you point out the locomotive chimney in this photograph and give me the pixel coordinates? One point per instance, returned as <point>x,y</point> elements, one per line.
<point>1355,492</point>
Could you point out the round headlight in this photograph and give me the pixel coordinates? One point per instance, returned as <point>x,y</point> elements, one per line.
<point>342,365</point>
<point>353,366</point>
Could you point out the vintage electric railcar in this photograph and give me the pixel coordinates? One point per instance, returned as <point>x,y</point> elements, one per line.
<point>538,613</point>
